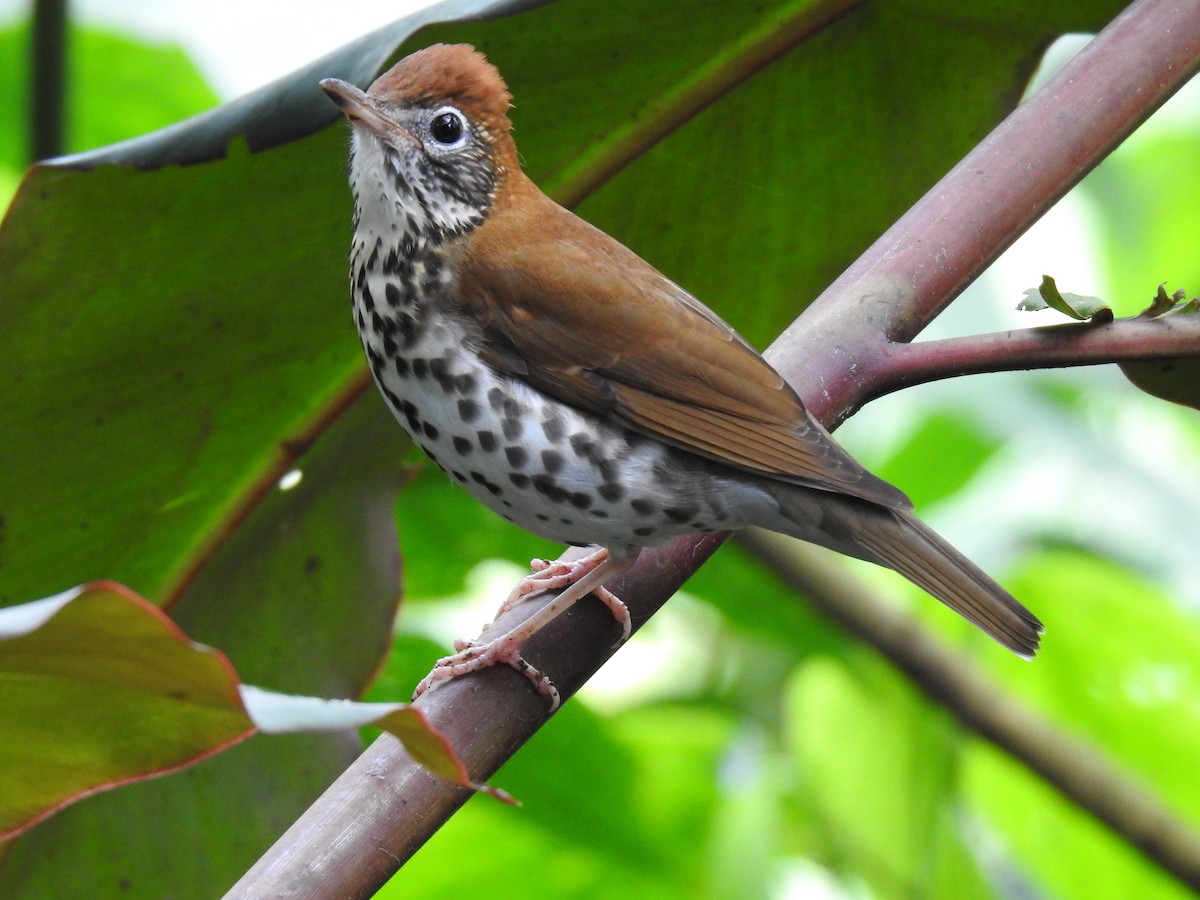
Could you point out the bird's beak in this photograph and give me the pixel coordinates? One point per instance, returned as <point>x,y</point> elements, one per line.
<point>356,105</point>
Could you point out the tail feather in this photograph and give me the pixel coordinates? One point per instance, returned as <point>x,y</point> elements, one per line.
<point>898,540</point>
<point>926,559</point>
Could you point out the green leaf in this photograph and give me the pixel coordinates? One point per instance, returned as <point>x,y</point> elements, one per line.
<point>1176,379</point>
<point>99,688</point>
<point>941,456</point>
<point>1164,303</point>
<point>1077,306</point>
<point>865,741</point>
<point>1123,675</point>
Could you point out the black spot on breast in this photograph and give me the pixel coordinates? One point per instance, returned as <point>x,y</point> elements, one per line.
<point>642,506</point>
<point>420,367</point>
<point>389,343</point>
<point>465,383</point>
<point>680,514</point>
<point>431,431</point>
<point>406,325</point>
<point>644,531</point>
<point>516,456</point>
<point>487,441</point>
<point>495,398</point>
<point>511,428</point>
<point>492,488</point>
<point>462,446</point>
<point>439,369</point>
<point>367,299</point>
<point>395,402</point>
<point>580,500</point>
<point>376,361</point>
<point>392,293</point>
<point>518,480</point>
<point>552,461</point>
<point>401,365</point>
<point>468,410</point>
<point>611,491</point>
<point>583,445</point>
<point>548,488</point>
<point>554,428</point>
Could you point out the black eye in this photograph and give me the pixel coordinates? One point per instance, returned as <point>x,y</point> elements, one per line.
<point>446,127</point>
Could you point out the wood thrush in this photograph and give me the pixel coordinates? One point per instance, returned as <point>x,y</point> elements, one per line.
<point>571,387</point>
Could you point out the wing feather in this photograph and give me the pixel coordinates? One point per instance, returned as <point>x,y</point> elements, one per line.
<point>575,314</point>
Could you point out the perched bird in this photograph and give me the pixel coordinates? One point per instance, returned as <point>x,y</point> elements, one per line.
<point>571,387</point>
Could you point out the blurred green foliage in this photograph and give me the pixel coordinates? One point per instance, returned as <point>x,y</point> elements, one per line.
<point>117,88</point>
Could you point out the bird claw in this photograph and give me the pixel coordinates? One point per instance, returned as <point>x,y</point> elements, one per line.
<point>473,656</point>
<point>576,579</point>
<point>547,575</point>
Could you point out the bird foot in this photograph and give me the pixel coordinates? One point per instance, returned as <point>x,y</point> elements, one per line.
<point>472,656</point>
<point>575,579</point>
<point>548,575</point>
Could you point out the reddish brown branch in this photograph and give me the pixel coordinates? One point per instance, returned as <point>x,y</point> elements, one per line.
<point>901,365</point>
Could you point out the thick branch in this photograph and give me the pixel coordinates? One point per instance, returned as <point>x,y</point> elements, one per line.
<point>385,806</point>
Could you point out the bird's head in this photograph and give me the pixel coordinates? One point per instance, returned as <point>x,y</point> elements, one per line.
<point>431,139</point>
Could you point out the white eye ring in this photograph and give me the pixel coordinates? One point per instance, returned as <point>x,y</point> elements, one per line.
<point>447,127</point>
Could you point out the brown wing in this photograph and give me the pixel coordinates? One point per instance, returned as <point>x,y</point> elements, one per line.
<point>572,312</point>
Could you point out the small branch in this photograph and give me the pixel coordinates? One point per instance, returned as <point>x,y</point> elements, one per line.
<point>901,365</point>
<point>1075,768</point>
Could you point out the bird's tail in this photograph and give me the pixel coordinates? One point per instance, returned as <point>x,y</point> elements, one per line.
<point>898,540</point>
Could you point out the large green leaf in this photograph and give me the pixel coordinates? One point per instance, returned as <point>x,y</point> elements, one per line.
<point>1123,675</point>
<point>866,742</point>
